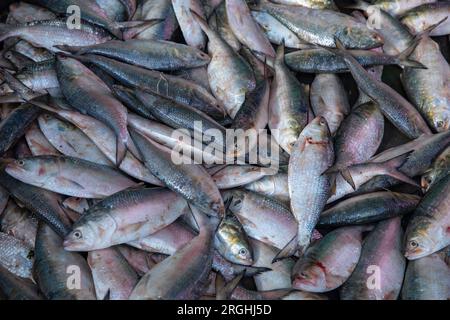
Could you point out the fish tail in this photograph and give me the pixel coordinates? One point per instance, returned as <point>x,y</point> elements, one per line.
<point>427,31</point>
<point>202,23</point>
<point>391,169</point>
<point>403,57</point>
<point>6,31</point>
<point>135,27</point>
<point>224,289</point>
<point>288,251</point>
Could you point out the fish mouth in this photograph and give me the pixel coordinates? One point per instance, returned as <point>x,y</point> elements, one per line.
<point>302,283</point>
<point>71,245</point>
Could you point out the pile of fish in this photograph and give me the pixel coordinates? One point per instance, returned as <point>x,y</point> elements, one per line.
<point>351,202</point>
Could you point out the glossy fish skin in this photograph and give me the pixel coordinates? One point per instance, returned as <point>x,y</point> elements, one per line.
<point>192,31</point>
<point>428,229</point>
<point>22,12</point>
<point>151,54</point>
<point>429,89</point>
<point>276,32</point>
<point>39,76</point>
<point>309,188</point>
<point>16,256</point>
<point>424,16</point>
<point>230,76</point>
<point>42,203</point>
<point>103,137</point>
<point>52,265</point>
<point>37,33</point>
<point>382,248</point>
<point>19,223</point>
<point>90,11</point>
<point>34,53</point>
<point>235,176</point>
<point>329,100</point>
<point>288,105</point>
<point>427,278</point>
<point>219,23</point>
<point>321,27</point>
<point>398,7</point>
<point>14,126</point>
<point>273,186</point>
<point>394,107</point>
<point>189,180</point>
<point>279,275</point>
<point>111,273</point>
<point>172,87</point>
<point>158,9</point>
<point>69,176</point>
<point>329,262</point>
<point>70,141</point>
<point>368,208</point>
<point>263,219</point>
<point>184,274</point>
<point>246,29</point>
<point>89,94</point>
<point>423,151</point>
<point>359,136</point>
<point>141,261</point>
<point>313,4</point>
<point>124,217</point>
<point>232,243</point>
<point>17,288</point>
<point>323,61</point>
<point>176,115</point>
<point>438,170</point>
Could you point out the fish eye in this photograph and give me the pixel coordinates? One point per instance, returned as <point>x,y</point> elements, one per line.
<point>439,123</point>
<point>413,244</point>
<point>242,252</point>
<point>21,163</point>
<point>77,234</point>
<point>322,122</point>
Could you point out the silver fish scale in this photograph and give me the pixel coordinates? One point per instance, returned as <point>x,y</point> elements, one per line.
<point>16,256</point>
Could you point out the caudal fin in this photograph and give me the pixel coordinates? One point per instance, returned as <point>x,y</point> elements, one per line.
<point>224,289</point>
<point>391,169</point>
<point>403,57</point>
<point>288,251</point>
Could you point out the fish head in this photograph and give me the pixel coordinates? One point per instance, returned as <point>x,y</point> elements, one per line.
<point>427,180</point>
<point>441,121</point>
<point>364,38</point>
<point>316,132</point>
<point>26,167</point>
<point>309,277</point>
<point>82,238</point>
<point>418,245</point>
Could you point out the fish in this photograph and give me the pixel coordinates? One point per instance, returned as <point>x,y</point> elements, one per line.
<point>246,29</point>
<point>273,186</point>
<point>151,54</point>
<point>427,278</point>
<point>429,89</point>
<point>368,208</point>
<point>288,105</point>
<point>15,124</point>
<point>329,262</point>
<point>427,230</point>
<point>19,223</point>
<point>124,217</point>
<point>420,18</point>
<point>319,60</point>
<point>380,255</point>
<point>359,136</point>
<point>54,266</point>
<point>111,273</point>
<point>235,176</point>
<point>45,205</point>
<point>232,242</point>
<point>189,180</point>
<point>309,188</point>
<point>158,9</point>
<point>328,99</point>
<point>395,107</point>
<point>218,22</point>
<point>17,288</point>
<point>69,176</point>
<point>36,32</point>
<point>16,256</point>
<point>89,94</point>
<point>230,76</point>
<point>438,170</point>
<point>184,274</point>
<point>193,33</point>
<point>321,4</point>
<point>321,27</point>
